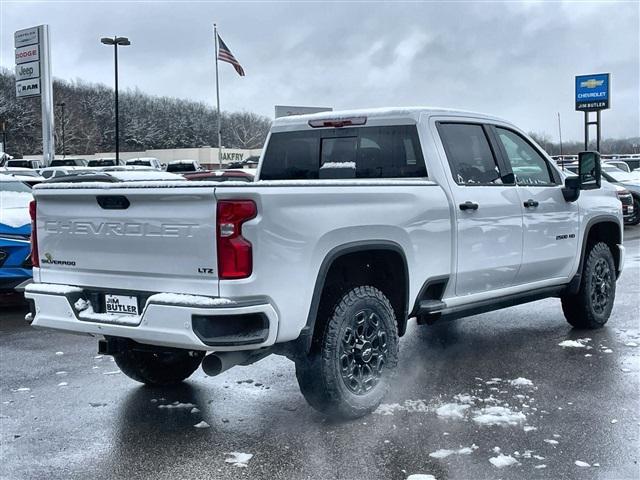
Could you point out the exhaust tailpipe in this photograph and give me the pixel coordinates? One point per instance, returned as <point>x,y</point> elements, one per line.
<point>216,363</point>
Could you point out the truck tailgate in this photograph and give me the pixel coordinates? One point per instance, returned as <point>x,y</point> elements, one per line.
<point>156,239</point>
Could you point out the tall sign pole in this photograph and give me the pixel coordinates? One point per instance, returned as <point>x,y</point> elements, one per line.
<point>593,94</point>
<point>33,79</point>
<point>215,35</point>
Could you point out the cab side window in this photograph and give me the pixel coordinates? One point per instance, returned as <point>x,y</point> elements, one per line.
<point>470,156</point>
<point>529,167</point>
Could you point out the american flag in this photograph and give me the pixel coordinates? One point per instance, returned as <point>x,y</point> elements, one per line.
<point>225,55</point>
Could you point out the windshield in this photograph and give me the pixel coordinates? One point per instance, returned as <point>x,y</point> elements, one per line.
<point>66,163</point>
<point>19,163</point>
<point>102,163</point>
<point>618,175</point>
<point>144,163</point>
<point>181,167</point>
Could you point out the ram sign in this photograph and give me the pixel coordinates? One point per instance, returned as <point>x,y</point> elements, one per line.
<point>592,92</point>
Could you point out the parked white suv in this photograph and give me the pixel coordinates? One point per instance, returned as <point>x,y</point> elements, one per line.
<point>359,221</point>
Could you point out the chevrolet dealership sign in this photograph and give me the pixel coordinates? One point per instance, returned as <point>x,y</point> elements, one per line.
<point>592,92</point>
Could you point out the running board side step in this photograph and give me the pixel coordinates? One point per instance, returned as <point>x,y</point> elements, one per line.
<point>430,306</point>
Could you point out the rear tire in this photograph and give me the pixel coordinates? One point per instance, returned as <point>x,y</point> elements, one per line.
<point>159,367</point>
<point>348,374</point>
<point>591,306</point>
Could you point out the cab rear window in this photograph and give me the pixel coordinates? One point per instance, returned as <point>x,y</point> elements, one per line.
<point>363,152</point>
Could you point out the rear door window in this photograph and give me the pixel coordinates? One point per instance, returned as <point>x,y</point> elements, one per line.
<point>470,156</point>
<point>363,152</point>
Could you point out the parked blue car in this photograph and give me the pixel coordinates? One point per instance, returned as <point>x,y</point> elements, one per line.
<point>15,233</point>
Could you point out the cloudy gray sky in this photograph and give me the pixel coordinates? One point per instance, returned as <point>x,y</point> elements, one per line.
<point>514,59</point>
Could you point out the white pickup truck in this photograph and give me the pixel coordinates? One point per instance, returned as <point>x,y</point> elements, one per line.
<point>358,221</point>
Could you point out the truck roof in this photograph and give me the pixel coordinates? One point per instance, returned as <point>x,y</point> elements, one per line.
<point>376,116</point>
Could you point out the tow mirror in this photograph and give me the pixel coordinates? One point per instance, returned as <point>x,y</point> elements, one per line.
<point>589,170</point>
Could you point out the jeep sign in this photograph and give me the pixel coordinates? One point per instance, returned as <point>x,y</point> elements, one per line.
<point>28,70</point>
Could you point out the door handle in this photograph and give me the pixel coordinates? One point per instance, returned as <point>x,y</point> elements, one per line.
<point>531,203</point>
<point>468,206</point>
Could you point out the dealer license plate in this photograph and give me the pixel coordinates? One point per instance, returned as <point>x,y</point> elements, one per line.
<point>120,304</point>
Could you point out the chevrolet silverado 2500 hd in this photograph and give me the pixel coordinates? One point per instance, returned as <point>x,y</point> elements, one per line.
<point>359,220</point>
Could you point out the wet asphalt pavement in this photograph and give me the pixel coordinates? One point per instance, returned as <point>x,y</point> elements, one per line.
<point>80,418</point>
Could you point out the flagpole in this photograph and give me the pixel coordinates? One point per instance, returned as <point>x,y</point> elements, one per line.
<point>215,35</point>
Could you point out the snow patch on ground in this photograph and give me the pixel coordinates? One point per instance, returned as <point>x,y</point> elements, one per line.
<point>444,453</point>
<point>238,459</point>
<point>580,463</point>
<point>521,382</point>
<point>502,461</point>
<point>421,476</point>
<point>551,442</point>
<point>176,404</point>
<point>413,406</point>
<point>202,424</point>
<point>21,389</point>
<point>452,410</point>
<point>579,343</point>
<point>498,416</point>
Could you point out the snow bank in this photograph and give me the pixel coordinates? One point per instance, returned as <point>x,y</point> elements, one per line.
<point>502,461</point>
<point>188,300</point>
<point>238,459</point>
<point>498,416</point>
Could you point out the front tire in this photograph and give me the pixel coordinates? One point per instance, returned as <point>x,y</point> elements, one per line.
<point>348,374</point>
<point>591,306</point>
<point>158,367</point>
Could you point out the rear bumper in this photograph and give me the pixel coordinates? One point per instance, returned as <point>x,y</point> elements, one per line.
<point>196,327</point>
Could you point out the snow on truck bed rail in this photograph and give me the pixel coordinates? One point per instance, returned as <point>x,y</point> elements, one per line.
<point>260,183</point>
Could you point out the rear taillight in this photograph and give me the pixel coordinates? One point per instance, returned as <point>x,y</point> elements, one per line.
<point>235,256</point>
<point>35,259</point>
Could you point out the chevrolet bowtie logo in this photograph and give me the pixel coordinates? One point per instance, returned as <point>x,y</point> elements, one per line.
<point>591,83</point>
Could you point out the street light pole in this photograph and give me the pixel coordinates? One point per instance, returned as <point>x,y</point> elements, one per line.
<point>115,41</point>
<point>64,150</point>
